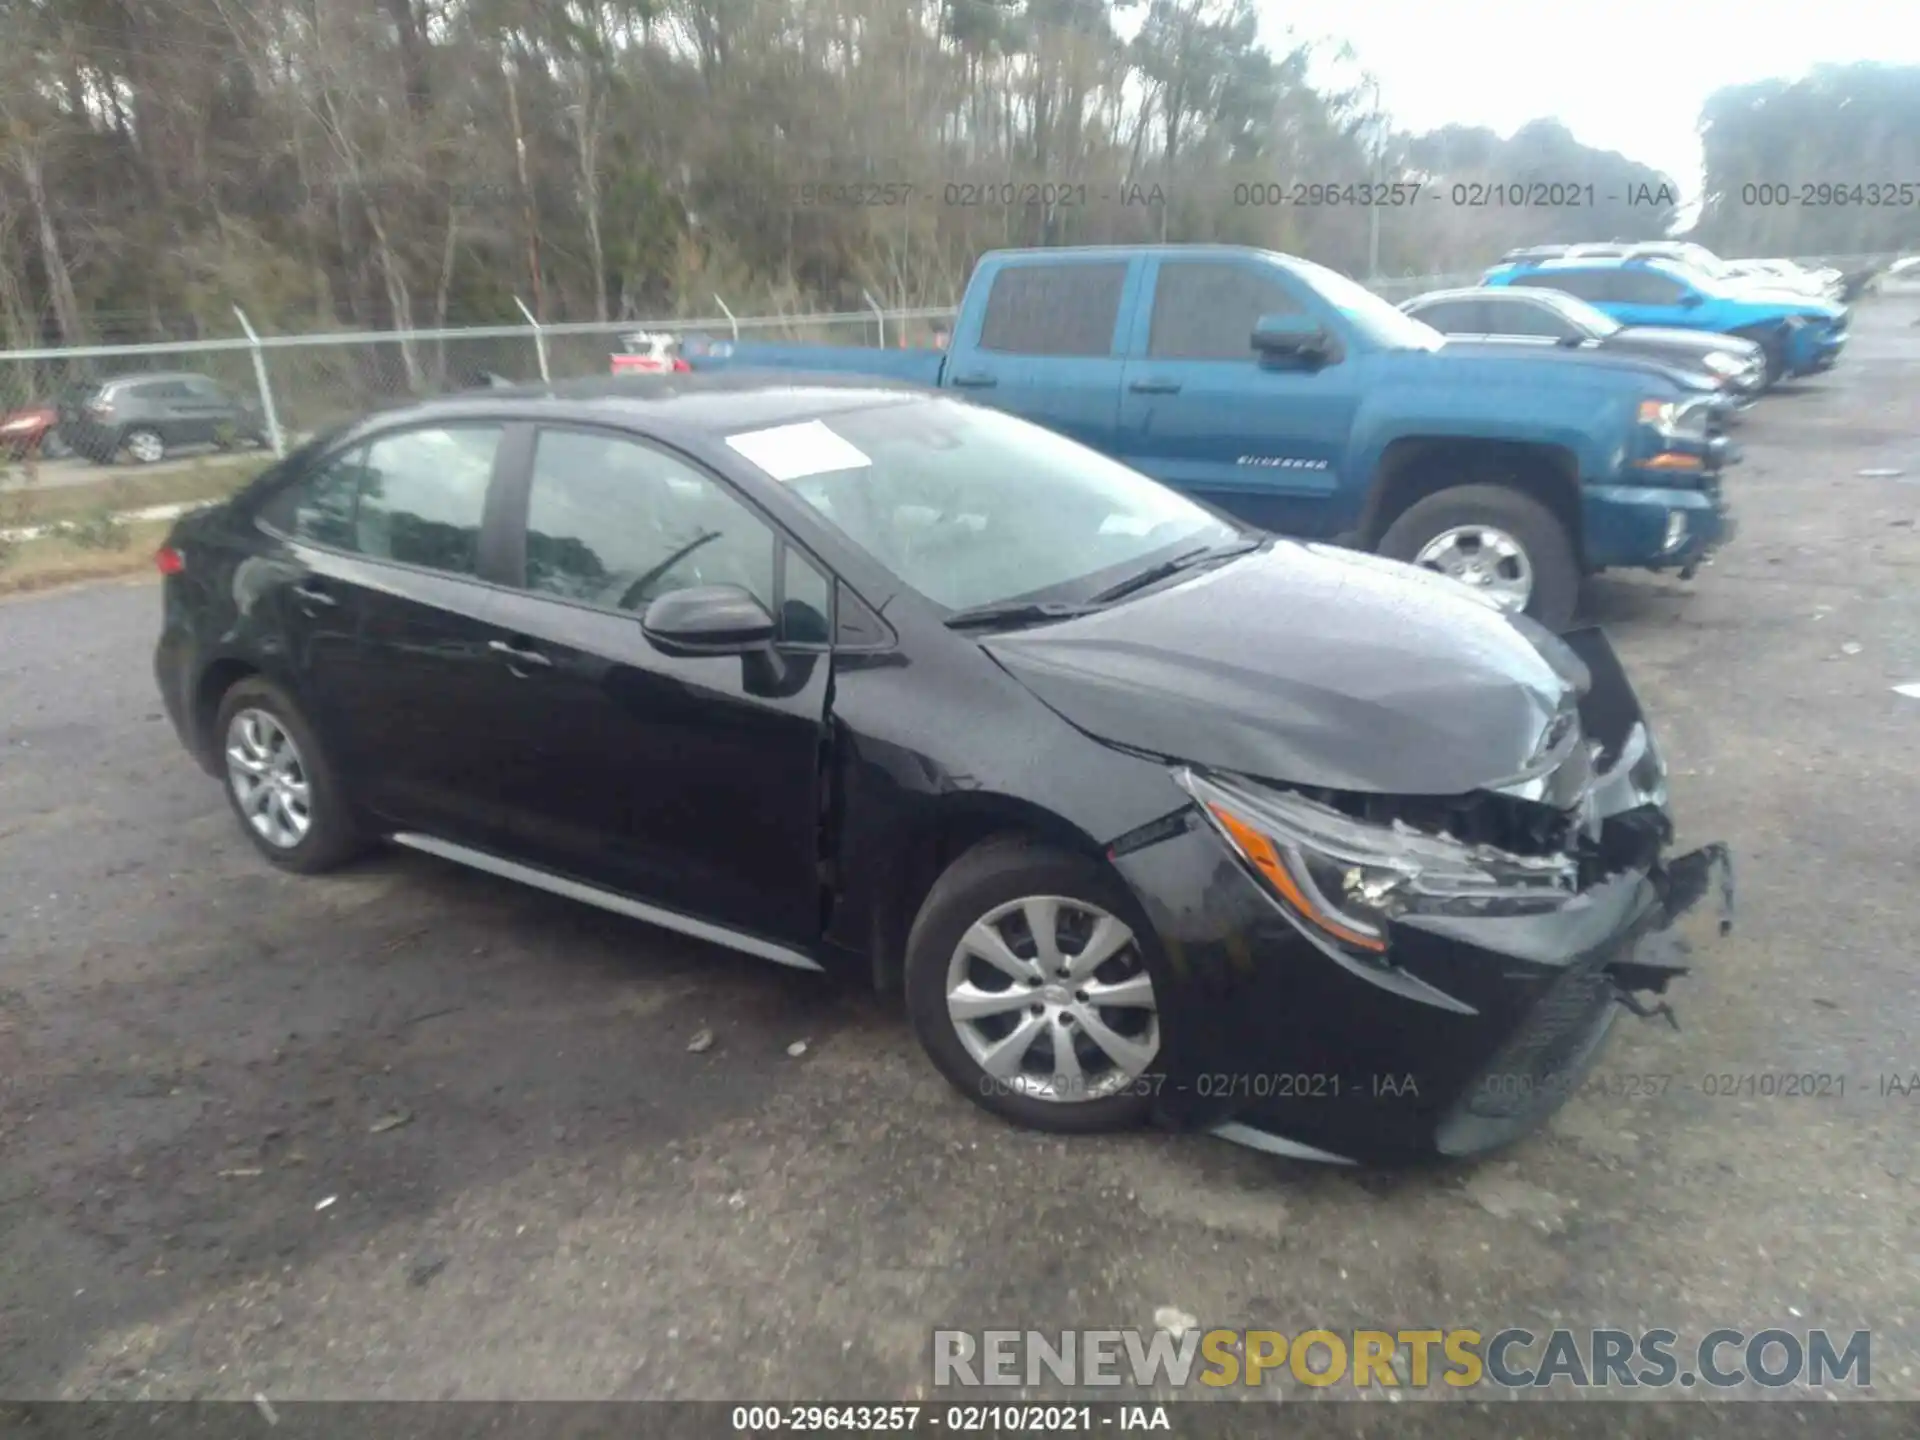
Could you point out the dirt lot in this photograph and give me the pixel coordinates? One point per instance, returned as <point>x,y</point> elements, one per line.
<point>415,1133</point>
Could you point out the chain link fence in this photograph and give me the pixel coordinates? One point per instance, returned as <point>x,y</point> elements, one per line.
<point>283,388</point>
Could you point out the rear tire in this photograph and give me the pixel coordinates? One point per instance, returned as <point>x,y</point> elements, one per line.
<point>1014,877</point>
<point>145,445</point>
<point>1545,546</point>
<point>281,785</point>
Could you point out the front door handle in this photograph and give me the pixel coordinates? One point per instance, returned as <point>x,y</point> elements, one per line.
<point>976,380</point>
<point>1155,387</point>
<point>516,657</point>
<point>312,595</point>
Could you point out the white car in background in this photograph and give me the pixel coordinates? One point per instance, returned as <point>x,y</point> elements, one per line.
<point>1900,278</point>
<point>1826,283</point>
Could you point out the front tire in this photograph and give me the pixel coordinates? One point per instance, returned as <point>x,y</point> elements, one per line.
<point>280,783</point>
<point>1028,984</point>
<point>1500,541</point>
<point>1774,348</point>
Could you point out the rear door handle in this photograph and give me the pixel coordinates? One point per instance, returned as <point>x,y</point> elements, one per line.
<point>516,656</point>
<point>976,380</point>
<point>1155,387</point>
<point>311,594</point>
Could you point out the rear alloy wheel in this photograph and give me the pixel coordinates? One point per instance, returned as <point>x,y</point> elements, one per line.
<point>279,782</point>
<point>1031,991</point>
<point>146,446</point>
<point>1506,545</point>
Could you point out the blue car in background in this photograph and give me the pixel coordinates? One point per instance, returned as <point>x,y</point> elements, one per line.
<point>1800,334</point>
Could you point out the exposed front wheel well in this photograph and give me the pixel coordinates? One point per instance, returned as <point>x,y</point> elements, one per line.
<point>927,853</point>
<point>1414,469</point>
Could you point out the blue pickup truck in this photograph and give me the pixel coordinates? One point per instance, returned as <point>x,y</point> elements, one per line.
<point>1300,402</point>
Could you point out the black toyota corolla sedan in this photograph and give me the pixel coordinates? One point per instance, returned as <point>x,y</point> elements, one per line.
<point>1150,816</point>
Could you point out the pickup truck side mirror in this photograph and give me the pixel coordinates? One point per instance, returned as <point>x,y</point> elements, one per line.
<point>1691,300</point>
<point>1294,337</point>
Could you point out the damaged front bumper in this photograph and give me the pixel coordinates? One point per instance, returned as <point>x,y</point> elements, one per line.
<point>1468,1029</point>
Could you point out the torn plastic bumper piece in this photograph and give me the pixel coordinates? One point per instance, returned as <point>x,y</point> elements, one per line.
<point>1662,952</point>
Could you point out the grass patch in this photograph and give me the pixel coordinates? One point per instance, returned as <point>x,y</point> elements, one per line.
<point>67,559</point>
<point>209,478</point>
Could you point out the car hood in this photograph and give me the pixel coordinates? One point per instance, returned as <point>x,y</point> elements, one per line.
<point>1311,665</point>
<point>1694,342</point>
<point>1797,300</point>
<point>1588,354</point>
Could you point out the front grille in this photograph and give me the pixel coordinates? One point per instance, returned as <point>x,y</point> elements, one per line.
<point>1534,1066</point>
<point>1505,822</point>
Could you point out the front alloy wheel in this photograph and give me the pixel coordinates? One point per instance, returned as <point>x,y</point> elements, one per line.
<point>1030,982</point>
<point>1050,998</point>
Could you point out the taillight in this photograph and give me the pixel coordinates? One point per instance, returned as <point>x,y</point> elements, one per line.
<point>169,560</point>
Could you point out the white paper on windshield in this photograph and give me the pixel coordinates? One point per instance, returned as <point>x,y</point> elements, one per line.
<point>792,452</point>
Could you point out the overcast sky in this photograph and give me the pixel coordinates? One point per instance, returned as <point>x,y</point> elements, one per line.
<point>1626,75</point>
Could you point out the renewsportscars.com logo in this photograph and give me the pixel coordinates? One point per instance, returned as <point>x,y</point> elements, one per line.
<point>1512,1358</point>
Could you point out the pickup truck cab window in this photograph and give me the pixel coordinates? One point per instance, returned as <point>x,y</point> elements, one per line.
<point>1377,322</point>
<point>1206,309</point>
<point>1054,309</point>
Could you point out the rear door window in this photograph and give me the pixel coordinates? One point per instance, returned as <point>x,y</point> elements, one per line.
<point>1069,309</point>
<point>418,497</point>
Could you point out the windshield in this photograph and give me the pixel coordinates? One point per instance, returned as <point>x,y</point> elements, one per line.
<point>1382,323</point>
<point>971,507</point>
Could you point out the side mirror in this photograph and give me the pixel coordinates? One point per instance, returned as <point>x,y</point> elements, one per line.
<point>1691,300</point>
<point>707,620</point>
<point>1291,337</point>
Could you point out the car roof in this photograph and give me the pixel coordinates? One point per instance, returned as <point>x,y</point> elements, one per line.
<point>1477,292</point>
<point>709,404</point>
<point>134,377</point>
<point>1679,270</point>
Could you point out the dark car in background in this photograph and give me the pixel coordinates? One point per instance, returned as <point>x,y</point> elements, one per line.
<point>1730,364</point>
<point>149,416</point>
<point>1142,809</point>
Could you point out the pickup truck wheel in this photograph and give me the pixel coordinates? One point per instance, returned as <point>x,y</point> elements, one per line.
<point>1498,541</point>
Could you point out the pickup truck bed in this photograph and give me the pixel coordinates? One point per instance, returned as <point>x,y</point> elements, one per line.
<point>919,367</point>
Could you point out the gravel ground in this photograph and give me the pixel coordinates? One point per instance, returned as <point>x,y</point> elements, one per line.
<point>413,1133</point>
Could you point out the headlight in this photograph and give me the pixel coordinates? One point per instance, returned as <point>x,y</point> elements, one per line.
<point>1721,363</point>
<point>1675,419</point>
<point>1340,880</point>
